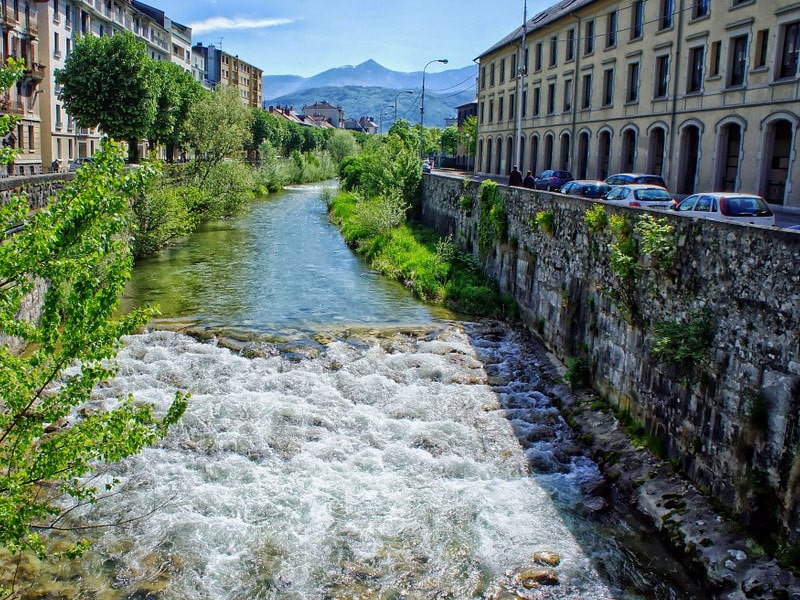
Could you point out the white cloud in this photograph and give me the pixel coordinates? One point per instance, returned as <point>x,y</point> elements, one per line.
<point>222,23</point>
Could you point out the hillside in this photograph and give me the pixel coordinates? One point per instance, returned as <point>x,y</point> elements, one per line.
<point>369,89</point>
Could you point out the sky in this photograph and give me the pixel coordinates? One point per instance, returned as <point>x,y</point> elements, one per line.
<point>306,37</point>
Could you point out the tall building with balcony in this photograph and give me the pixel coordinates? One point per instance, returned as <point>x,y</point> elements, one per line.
<point>705,93</point>
<point>60,24</point>
<point>20,39</point>
<point>226,69</point>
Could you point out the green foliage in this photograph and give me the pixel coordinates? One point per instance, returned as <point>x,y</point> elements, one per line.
<point>624,264</point>
<point>546,221</point>
<point>175,92</point>
<point>449,140</point>
<point>218,127</point>
<point>433,268</point>
<point>469,134</point>
<point>596,218</point>
<point>79,249</point>
<point>577,372</point>
<point>493,222</point>
<point>162,213</point>
<point>107,82</point>
<point>305,168</point>
<point>341,145</point>
<point>657,240</point>
<point>684,344</point>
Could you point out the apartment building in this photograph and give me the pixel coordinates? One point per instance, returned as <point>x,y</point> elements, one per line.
<point>19,38</point>
<point>59,24</point>
<point>705,93</point>
<point>226,69</point>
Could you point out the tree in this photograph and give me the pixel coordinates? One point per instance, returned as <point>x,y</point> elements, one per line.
<point>469,134</point>
<point>107,83</point>
<point>175,91</point>
<point>340,145</point>
<point>218,127</point>
<point>449,140</point>
<point>77,256</point>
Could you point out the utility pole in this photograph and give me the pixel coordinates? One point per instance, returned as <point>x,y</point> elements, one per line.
<point>522,68</point>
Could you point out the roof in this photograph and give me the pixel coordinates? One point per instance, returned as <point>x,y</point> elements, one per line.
<point>540,21</point>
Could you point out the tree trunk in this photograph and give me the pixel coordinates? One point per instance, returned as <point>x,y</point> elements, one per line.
<point>133,150</point>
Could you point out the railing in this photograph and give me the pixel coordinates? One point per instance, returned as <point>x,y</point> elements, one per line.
<point>35,72</point>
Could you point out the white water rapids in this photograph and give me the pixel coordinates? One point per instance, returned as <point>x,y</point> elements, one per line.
<point>387,467</point>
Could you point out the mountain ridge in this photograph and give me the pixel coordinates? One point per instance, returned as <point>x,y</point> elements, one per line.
<point>370,89</point>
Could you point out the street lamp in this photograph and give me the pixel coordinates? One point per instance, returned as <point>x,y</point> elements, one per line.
<point>422,104</point>
<point>395,101</point>
<point>380,122</point>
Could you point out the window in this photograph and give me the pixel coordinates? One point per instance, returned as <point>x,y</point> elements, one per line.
<point>491,111</point>
<point>696,59</point>
<point>570,45</point>
<point>511,107</point>
<point>586,95</point>
<point>567,95</point>
<point>491,75</point>
<point>700,8</point>
<point>637,19</point>
<point>527,60</point>
<point>502,70</point>
<point>662,76</point>
<point>633,82</point>
<point>716,53</point>
<point>789,51</point>
<point>611,29</point>
<point>588,37</point>
<point>500,109</point>
<point>608,87</point>
<point>31,138</point>
<point>513,73</point>
<point>538,56</point>
<point>524,103</point>
<point>762,44</point>
<point>56,45</point>
<point>483,78</point>
<point>482,112</point>
<point>537,99</point>
<point>551,98</point>
<point>738,60</point>
<point>665,18</point>
<point>68,46</point>
<point>553,50</point>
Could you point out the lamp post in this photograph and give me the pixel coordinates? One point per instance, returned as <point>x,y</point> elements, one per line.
<point>395,101</point>
<point>422,104</point>
<point>380,122</point>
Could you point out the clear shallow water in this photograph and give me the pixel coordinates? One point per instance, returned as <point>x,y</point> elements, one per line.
<point>419,458</point>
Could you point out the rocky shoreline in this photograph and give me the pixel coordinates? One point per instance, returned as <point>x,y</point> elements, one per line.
<point>731,564</point>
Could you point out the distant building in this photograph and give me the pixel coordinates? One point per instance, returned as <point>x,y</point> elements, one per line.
<point>463,160</point>
<point>333,114</point>
<point>364,125</point>
<point>703,93</point>
<point>219,67</point>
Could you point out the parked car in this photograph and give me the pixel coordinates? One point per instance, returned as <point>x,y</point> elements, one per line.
<point>426,166</point>
<point>79,162</point>
<point>643,178</point>
<point>586,188</point>
<point>728,206</point>
<point>552,180</point>
<point>638,195</point>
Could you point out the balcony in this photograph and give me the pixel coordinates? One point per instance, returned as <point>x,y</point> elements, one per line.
<point>8,20</point>
<point>35,72</point>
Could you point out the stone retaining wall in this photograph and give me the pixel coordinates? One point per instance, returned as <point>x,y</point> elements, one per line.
<point>732,425</point>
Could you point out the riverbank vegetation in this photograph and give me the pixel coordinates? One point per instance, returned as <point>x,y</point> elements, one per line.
<point>380,188</point>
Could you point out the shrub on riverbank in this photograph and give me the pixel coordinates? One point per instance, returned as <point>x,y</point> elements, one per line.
<point>432,267</point>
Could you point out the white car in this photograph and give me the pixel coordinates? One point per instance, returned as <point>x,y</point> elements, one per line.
<point>728,206</point>
<point>639,195</point>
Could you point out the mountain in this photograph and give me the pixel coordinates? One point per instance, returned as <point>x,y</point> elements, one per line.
<point>370,89</point>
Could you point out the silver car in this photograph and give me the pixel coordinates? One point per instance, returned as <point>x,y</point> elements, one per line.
<point>639,195</point>
<point>728,206</point>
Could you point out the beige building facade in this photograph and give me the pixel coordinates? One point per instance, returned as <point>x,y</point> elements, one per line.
<point>244,77</point>
<point>60,23</point>
<point>705,93</point>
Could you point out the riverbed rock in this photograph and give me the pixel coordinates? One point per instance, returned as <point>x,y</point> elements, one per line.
<point>546,557</point>
<point>532,577</point>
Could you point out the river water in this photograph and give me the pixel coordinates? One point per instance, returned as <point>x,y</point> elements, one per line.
<point>354,444</point>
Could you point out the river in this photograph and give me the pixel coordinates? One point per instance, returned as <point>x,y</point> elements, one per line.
<point>354,443</point>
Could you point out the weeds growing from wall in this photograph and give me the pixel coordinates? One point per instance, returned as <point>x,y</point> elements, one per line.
<point>493,222</point>
<point>546,221</point>
<point>684,344</point>
<point>657,240</point>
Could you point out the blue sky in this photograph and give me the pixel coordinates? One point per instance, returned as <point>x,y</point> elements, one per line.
<point>307,37</point>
